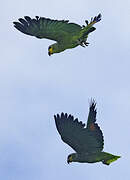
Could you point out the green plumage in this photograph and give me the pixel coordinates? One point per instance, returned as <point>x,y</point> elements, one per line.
<point>86,140</point>
<point>67,35</point>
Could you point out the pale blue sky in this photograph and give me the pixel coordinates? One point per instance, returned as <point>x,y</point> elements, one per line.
<point>34,86</point>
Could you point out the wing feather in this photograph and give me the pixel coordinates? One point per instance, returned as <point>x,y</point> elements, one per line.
<point>41,27</point>
<point>70,130</point>
<point>75,134</point>
<point>92,113</point>
<point>92,126</point>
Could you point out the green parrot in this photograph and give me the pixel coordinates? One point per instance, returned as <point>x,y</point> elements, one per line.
<point>86,140</point>
<point>67,35</point>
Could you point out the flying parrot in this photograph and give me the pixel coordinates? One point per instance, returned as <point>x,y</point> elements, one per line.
<point>67,35</point>
<point>87,140</point>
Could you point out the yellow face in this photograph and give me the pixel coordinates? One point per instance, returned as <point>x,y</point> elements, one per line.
<point>69,159</point>
<point>50,51</point>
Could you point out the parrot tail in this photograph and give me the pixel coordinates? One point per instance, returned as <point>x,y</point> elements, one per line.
<point>109,158</point>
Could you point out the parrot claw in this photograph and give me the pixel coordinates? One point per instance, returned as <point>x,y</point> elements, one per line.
<point>86,43</point>
<point>82,45</point>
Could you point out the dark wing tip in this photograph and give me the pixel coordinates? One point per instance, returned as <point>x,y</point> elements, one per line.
<point>92,113</point>
<point>55,117</point>
<point>93,104</point>
<point>97,18</point>
<point>37,18</point>
<point>69,118</point>
<point>62,116</point>
<point>28,19</point>
<point>14,22</point>
<point>22,25</point>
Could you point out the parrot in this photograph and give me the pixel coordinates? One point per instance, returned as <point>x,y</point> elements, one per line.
<point>65,34</point>
<point>86,139</point>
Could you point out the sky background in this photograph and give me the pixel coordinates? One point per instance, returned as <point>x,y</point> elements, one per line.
<point>34,87</point>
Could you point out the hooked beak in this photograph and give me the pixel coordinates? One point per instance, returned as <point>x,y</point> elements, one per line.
<point>49,53</point>
<point>69,160</point>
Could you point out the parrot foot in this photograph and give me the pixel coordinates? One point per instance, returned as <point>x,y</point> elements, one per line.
<point>86,43</point>
<point>82,44</point>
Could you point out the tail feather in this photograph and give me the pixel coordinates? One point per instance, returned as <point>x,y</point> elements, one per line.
<point>110,158</point>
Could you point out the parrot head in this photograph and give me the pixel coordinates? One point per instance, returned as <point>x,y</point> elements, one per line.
<point>55,48</point>
<point>72,157</point>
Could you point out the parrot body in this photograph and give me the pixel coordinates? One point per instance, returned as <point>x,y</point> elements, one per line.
<point>67,35</point>
<point>86,140</point>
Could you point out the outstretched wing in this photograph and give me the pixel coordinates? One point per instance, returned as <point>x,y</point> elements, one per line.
<point>76,135</point>
<point>47,28</point>
<point>93,127</point>
<point>70,130</point>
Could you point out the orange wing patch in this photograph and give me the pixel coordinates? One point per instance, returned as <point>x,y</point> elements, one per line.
<point>92,127</point>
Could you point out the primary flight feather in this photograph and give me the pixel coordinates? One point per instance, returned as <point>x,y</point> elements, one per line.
<point>86,140</point>
<point>67,35</point>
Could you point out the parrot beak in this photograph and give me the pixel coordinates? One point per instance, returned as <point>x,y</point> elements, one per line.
<point>69,159</point>
<point>50,51</point>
